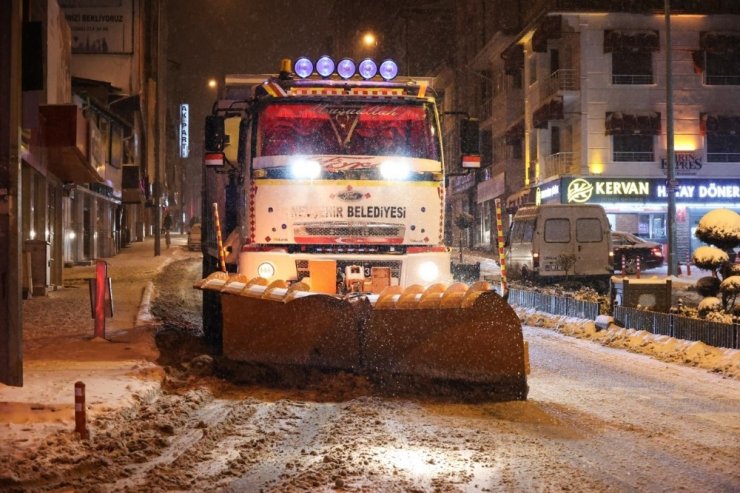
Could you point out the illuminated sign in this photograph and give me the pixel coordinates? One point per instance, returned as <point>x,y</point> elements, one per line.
<point>545,193</point>
<point>581,190</point>
<point>686,163</point>
<point>184,130</point>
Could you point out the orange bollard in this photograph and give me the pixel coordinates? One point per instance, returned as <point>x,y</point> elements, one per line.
<point>219,241</point>
<point>637,274</point>
<point>624,266</point>
<point>501,252</point>
<point>688,267</point>
<point>101,286</point>
<point>80,416</point>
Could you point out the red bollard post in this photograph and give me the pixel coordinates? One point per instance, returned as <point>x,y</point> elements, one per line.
<point>80,417</point>
<point>637,274</point>
<point>688,267</point>
<point>624,266</point>
<point>101,286</point>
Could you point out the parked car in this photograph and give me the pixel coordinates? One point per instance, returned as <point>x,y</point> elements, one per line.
<point>194,237</point>
<point>631,247</point>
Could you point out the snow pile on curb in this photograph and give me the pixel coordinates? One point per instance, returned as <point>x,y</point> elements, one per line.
<point>665,348</point>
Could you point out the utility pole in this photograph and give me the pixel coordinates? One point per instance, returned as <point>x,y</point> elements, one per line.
<point>11,323</point>
<point>672,182</point>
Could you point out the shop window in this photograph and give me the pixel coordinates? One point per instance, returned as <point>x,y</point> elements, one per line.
<point>632,67</point>
<point>723,148</point>
<point>633,148</point>
<point>557,231</point>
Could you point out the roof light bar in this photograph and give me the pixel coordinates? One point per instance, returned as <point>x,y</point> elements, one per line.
<point>388,70</point>
<point>346,68</point>
<point>325,66</point>
<point>303,67</point>
<point>368,68</point>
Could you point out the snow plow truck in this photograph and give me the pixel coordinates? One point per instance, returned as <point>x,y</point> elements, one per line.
<point>323,242</point>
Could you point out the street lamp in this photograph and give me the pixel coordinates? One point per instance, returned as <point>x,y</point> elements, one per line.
<point>212,83</point>
<point>369,40</point>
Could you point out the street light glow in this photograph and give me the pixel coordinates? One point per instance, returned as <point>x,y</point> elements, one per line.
<point>369,39</point>
<point>212,83</point>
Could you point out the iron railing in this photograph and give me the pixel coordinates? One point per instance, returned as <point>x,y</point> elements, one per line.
<point>555,305</point>
<point>686,328</point>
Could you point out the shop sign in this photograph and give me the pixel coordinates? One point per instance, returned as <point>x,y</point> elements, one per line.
<point>184,130</point>
<point>582,190</point>
<point>587,189</point>
<point>687,163</point>
<point>704,190</point>
<point>547,192</point>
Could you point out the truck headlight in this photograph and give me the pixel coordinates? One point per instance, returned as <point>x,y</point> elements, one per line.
<point>304,169</point>
<point>395,169</point>
<point>266,270</point>
<point>428,271</point>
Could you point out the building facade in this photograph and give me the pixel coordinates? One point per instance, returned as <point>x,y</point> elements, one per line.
<point>579,112</point>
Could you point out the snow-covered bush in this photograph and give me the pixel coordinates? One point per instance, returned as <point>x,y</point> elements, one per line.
<point>709,258</point>
<point>720,229</point>
<point>709,304</point>
<point>707,286</point>
<point>730,288</point>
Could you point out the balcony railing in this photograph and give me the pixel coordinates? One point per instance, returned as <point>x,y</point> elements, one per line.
<point>723,157</point>
<point>620,156</point>
<point>558,164</point>
<point>722,80</point>
<point>564,79</point>
<point>632,79</point>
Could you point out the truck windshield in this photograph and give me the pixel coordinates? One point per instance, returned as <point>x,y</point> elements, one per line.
<point>348,129</point>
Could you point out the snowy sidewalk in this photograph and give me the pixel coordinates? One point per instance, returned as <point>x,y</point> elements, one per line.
<point>59,348</point>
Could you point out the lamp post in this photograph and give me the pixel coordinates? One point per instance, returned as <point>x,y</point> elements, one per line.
<point>672,182</point>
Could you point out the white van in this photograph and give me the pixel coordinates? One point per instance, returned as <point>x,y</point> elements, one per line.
<point>559,241</point>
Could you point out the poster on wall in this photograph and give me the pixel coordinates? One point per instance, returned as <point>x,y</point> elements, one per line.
<point>100,26</point>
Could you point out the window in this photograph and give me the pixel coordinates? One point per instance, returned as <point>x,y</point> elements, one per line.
<point>557,231</point>
<point>722,68</point>
<point>633,148</point>
<point>528,231</point>
<point>588,230</point>
<point>723,148</point>
<point>632,67</point>
<point>554,140</point>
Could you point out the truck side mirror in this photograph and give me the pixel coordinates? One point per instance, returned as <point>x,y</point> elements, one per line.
<point>215,134</point>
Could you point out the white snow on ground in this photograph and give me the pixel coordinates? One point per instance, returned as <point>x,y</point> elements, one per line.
<point>664,348</point>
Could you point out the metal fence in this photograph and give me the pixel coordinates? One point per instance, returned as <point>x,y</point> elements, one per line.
<point>556,305</point>
<point>690,329</point>
<point>668,324</point>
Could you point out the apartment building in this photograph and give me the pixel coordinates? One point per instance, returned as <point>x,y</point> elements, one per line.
<point>576,105</point>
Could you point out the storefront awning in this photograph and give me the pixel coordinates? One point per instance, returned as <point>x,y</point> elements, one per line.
<point>518,199</point>
<point>619,123</point>
<point>552,110</point>
<point>719,124</point>
<point>620,41</point>
<point>63,134</point>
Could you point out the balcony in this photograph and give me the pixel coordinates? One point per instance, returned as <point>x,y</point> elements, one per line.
<point>559,164</point>
<point>564,79</point>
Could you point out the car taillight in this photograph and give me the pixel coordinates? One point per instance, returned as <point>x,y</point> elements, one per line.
<point>535,260</point>
<point>657,251</point>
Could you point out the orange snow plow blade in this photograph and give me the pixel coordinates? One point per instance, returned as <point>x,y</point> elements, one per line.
<point>455,341</point>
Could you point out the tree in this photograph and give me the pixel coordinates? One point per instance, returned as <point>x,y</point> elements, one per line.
<point>463,221</point>
<point>720,229</point>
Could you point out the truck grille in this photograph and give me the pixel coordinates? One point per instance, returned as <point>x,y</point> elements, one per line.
<point>353,233</point>
<point>395,266</point>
